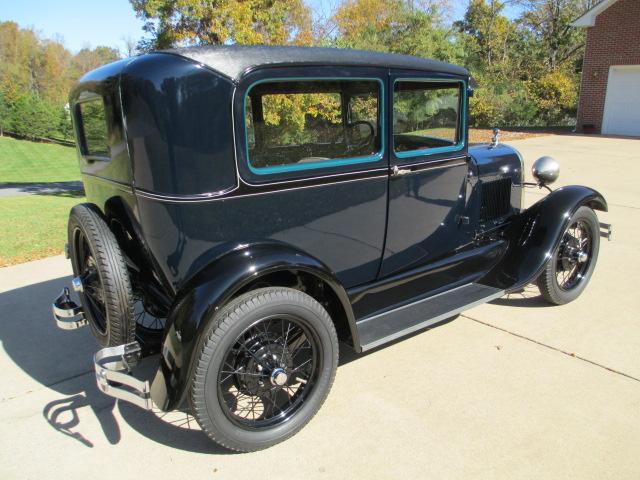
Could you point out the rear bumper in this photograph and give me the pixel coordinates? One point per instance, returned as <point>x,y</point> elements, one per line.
<point>113,365</point>
<point>67,314</point>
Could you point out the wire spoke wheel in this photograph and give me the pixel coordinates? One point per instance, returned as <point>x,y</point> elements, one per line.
<point>265,368</point>
<point>574,255</point>
<point>145,319</point>
<point>268,372</point>
<point>568,271</point>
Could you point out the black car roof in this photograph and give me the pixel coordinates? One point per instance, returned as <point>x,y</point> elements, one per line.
<point>235,60</point>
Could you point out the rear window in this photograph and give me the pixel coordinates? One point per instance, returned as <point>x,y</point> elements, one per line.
<point>426,115</point>
<point>93,128</point>
<point>296,125</point>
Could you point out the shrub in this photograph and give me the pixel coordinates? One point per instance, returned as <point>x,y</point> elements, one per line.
<point>555,95</point>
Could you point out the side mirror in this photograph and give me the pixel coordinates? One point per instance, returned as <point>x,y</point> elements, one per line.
<point>546,170</point>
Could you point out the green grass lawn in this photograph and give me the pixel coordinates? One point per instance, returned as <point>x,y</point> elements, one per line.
<point>22,161</point>
<point>33,226</point>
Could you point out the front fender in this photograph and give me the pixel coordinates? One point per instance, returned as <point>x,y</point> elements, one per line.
<point>208,291</point>
<point>535,234</point>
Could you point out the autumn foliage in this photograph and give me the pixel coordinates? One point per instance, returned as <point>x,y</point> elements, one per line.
<point>527,66</point>
<point>35,78</point>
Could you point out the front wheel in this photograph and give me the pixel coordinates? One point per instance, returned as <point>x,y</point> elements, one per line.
<point>266,365</point>
<point>569,270</point>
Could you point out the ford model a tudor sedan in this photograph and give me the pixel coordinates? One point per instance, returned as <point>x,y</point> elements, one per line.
<point>251,207</point>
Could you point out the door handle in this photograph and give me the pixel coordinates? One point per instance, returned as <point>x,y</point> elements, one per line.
<point>399,172</point>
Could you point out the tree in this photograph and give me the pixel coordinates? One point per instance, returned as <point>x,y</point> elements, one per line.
<point>87,59</point>
<point>557,42</point>
<point>554,95</point>
<point>490,33</point>
<point>35,78</point>
<point>5,114</point>
<point>34,118</point>
<point>215,22</point>
<point>130,47</point>
<point>359,19</point>
<point>52,72</point>
<point>398,26</point>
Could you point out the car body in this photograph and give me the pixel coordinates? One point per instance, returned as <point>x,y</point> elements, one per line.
<point>377,207</point>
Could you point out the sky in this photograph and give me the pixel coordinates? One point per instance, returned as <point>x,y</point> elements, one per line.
<point>92,23</point>
<point>80,23</point>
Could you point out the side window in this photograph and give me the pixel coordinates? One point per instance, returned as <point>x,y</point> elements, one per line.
<point>93,128</point>
<point>301,124</point>
<point>426,116</point>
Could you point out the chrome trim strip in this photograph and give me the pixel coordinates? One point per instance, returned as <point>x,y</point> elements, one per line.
<point>183,198</point>
<point>446,162</point>
<point>420,170</point>
<point>428,322</point>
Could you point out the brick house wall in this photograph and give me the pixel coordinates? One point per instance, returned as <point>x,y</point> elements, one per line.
<point>613,40</point>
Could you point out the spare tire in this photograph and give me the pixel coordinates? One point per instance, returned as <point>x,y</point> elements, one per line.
<point>98,262</point>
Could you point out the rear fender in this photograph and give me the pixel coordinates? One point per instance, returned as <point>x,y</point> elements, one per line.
<point>208,291</point>
<point>536,232</point>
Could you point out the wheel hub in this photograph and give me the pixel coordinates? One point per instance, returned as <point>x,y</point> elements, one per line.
<point>264,366</point>
<point>570,253</point>
<point>268,373</point>
<point>279,377</point>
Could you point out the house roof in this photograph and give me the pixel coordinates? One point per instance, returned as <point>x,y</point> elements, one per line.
<point>589,18</point>
<point>235,60</point>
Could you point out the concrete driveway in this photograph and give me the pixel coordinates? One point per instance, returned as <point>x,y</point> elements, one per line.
<point>512,389</point>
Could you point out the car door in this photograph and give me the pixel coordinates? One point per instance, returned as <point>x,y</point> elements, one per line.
<point>428,169</point>
<point>313,162</point>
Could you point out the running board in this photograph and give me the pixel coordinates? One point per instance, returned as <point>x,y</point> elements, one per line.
<point>385,327</point>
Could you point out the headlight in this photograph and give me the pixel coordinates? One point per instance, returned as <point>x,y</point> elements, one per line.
<point>546,170</point>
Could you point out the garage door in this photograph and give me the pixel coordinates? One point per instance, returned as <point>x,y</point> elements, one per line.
<point>622,103</point>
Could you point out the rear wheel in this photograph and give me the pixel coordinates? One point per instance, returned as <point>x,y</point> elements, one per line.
<point>266,366</point>
<point>569,270</point>
<point>98,262</point>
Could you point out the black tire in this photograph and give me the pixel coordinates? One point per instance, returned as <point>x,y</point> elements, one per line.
<point>96,258</point>
<point>559,293</point>
<point>212,407</point>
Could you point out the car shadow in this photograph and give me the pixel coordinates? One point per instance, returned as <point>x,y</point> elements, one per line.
<point>62,362</point>
<point>528,297</point>
<point>68,189</point>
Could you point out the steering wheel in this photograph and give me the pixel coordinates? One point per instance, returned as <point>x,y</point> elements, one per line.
<point>365,139</point>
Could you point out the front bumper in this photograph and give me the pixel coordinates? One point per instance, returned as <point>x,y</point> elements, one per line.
<point>113,365</point>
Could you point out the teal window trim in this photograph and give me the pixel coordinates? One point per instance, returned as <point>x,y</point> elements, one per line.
<point>461,119</point>
<point>323,164</point>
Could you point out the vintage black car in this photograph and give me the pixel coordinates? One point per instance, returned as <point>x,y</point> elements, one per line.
<point>251,207</point>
